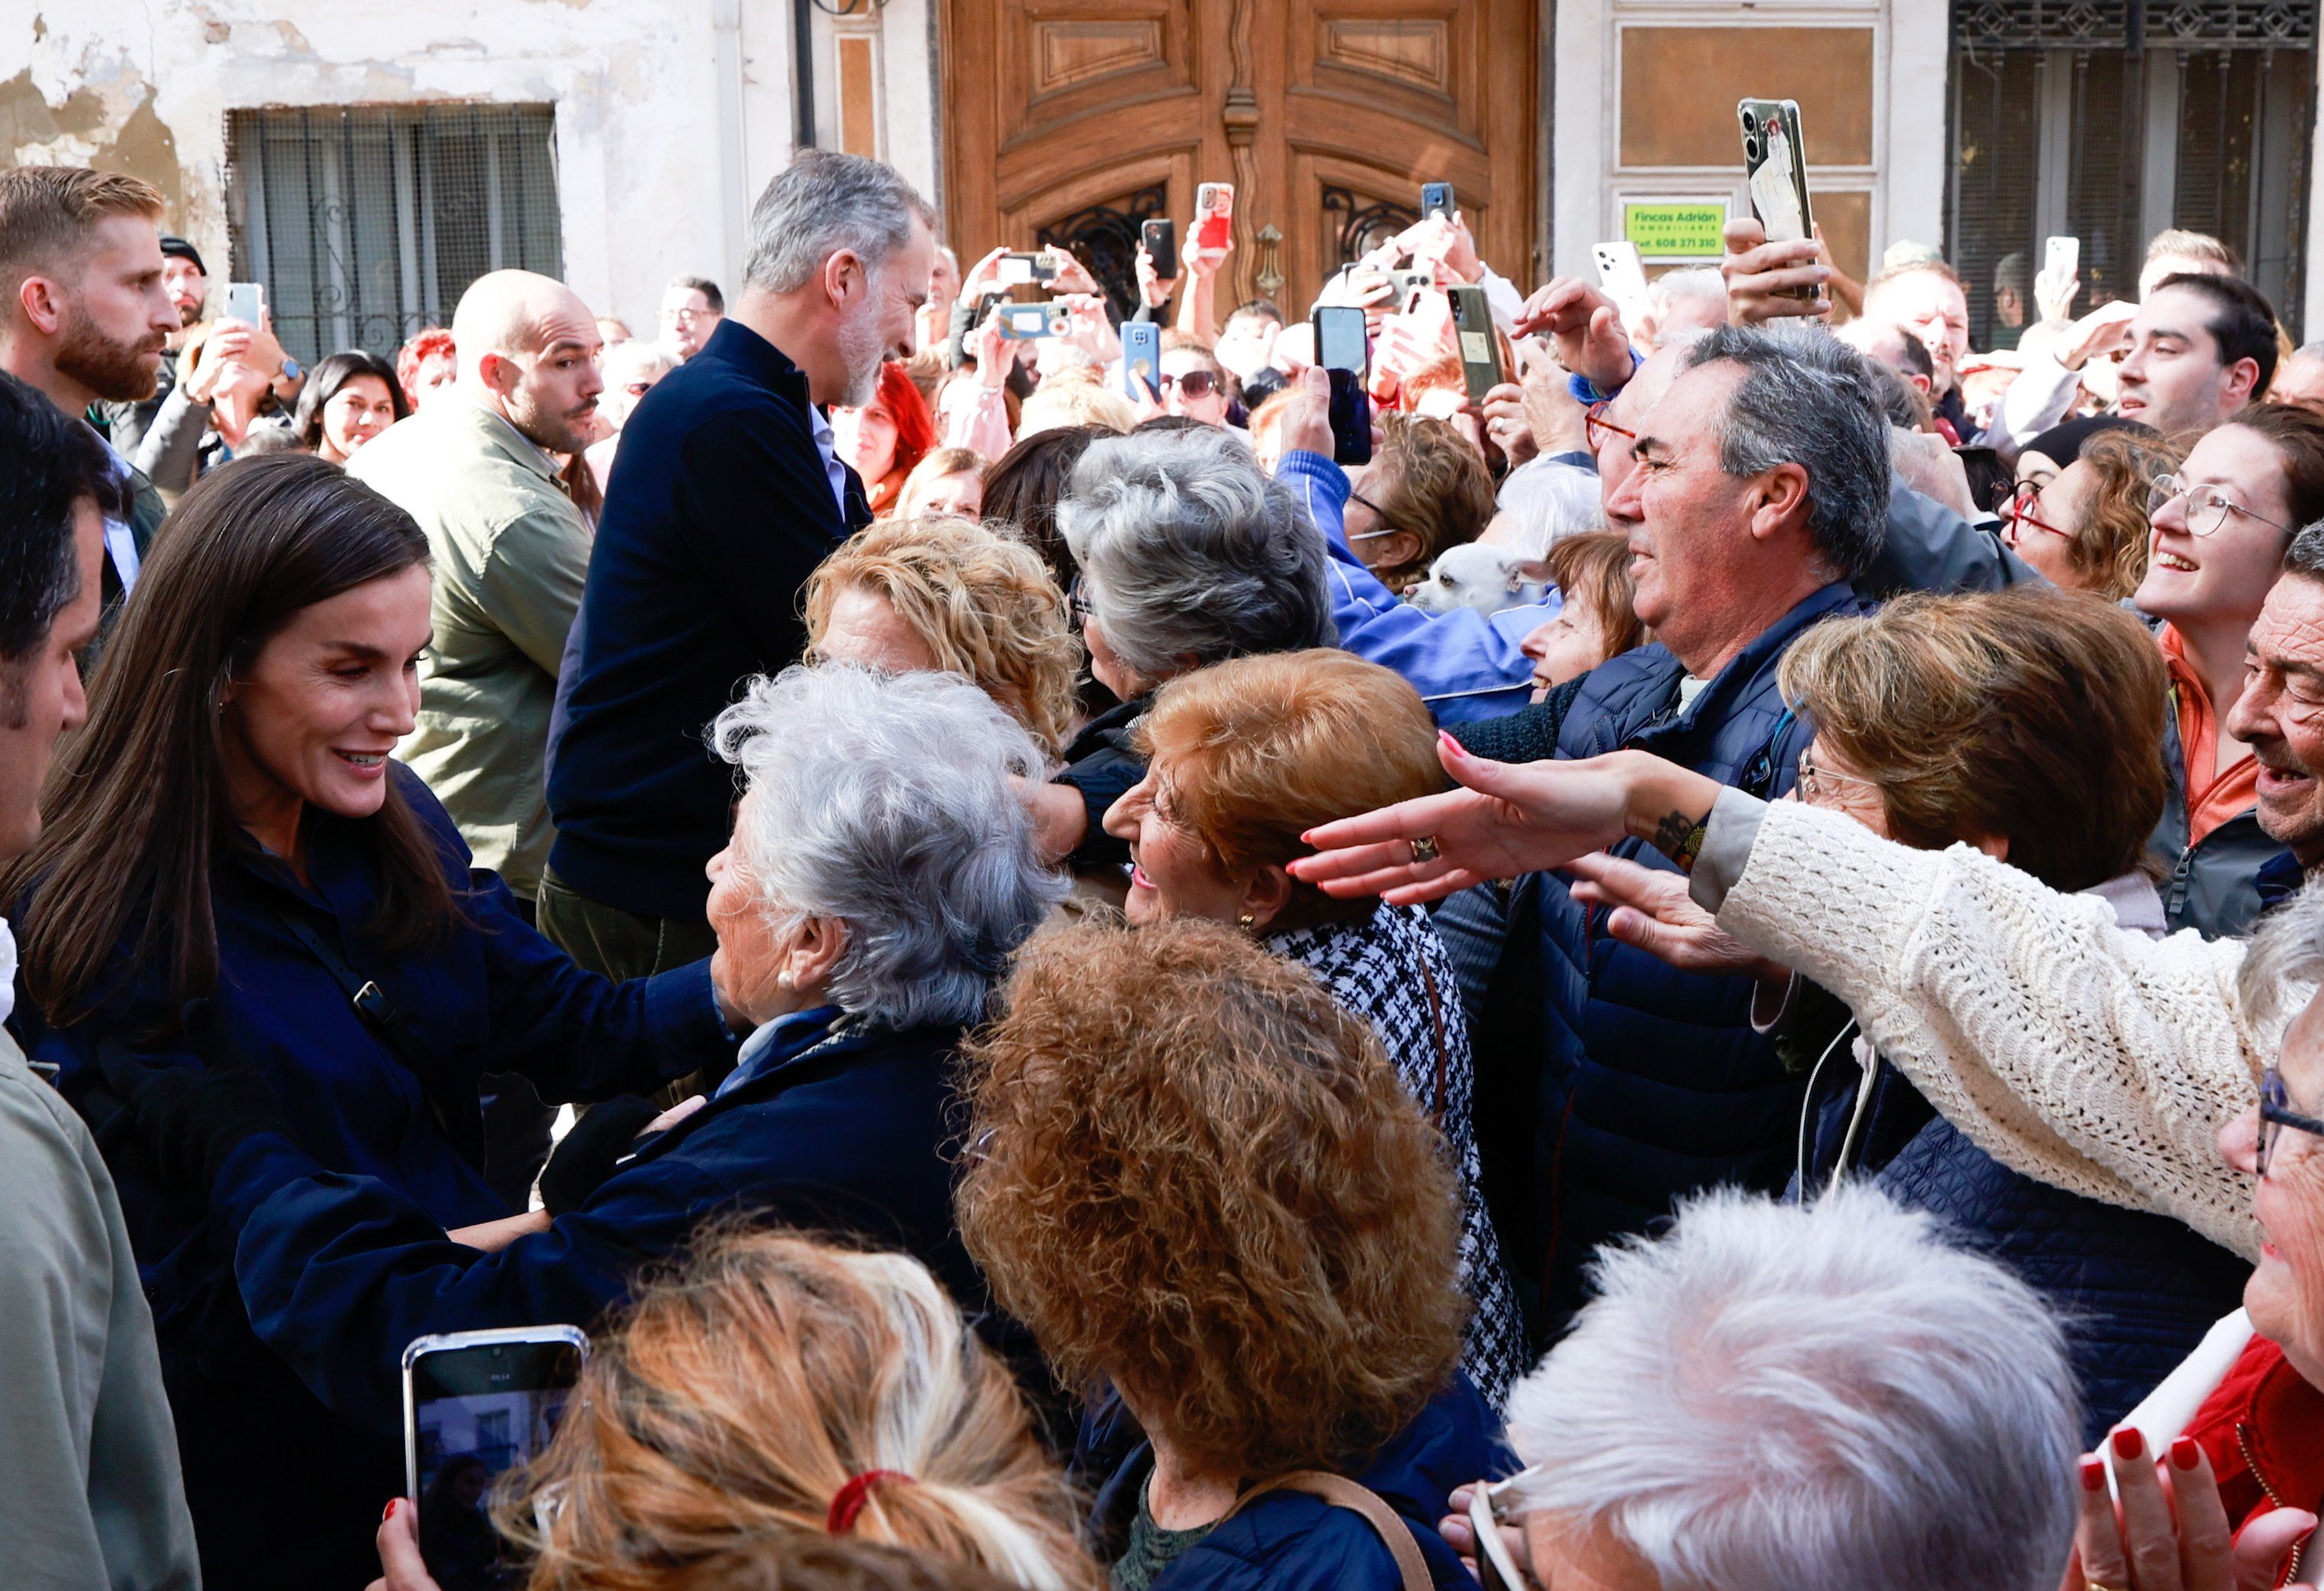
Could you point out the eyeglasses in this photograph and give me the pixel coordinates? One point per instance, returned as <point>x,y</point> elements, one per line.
<point>1496,1569</point>
<point>1385,529</point>
<point>2207,506</point>
<point>1594,420</point>
<point>2275,1113</point>
<point>2020,514</point>
<point>1195,384</point>
<point>1812,778</point>
<point>1077,600</point>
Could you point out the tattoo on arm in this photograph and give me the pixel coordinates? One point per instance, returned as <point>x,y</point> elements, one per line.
<point>1679,837</point>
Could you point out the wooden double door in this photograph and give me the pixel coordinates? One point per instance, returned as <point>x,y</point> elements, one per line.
<point>1071,120</point>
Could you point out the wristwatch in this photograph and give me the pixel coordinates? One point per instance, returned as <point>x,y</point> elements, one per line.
<point>289,370</point>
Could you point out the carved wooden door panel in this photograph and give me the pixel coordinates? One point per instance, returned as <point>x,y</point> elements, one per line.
<point>1073,120</point>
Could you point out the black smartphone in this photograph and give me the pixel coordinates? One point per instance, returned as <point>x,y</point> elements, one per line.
<point>1342,351</point>
<point>475,1405</point>
<point>1161,240</point>
<point>1436,200</point>
<point>1481,344</point>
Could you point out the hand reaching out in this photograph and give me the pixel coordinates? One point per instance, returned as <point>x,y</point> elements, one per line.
<point>2170,1532</point>
<point>2053,293</point>
<point>1586,328</point>
<point>1652,910</point>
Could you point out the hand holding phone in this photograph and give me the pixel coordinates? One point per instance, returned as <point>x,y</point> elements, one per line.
<point>245,301</point>
<point>2061,278</point>
<point>1161,240</point>
<point>1141,359</point>
<point>1480,340</point>
<point>1776,173</point>
<point>1436,200</point>
<point>475,1405</point>
<point>1341,352</point>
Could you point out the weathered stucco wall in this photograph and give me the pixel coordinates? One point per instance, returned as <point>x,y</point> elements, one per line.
<point>669,113</point>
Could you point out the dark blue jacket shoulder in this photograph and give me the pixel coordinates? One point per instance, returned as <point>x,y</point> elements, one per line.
<point>1288,1540</point>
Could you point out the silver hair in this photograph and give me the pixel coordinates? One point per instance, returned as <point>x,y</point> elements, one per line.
<point>2305,556</point>
<point>1701,281</point>
<point>1188,550</point>
<point>1806,398</point>
<point>885,800</point>
<point>1772,1398</point>
<point>2283,962</point>
<point>822,203</point>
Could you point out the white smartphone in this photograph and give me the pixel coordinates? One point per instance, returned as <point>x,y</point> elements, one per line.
<point>1620,272</point>
<point>477,1403</point>
<point>244,301</point>
<point>2062,257</point>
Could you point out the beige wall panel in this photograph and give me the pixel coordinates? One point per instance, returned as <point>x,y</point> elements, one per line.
<point>1680,86</point>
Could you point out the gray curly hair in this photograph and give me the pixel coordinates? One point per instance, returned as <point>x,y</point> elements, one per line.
<point>1188,550</point>
<point>885,800</point>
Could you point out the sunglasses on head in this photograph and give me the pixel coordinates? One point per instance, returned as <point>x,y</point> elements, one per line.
<point>1195,384</point>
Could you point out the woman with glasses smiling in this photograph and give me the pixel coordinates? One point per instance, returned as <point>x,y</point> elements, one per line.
<point>2220,528</point>
<point>2084,525</point>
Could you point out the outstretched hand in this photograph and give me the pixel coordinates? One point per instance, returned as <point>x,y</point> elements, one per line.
<point>2170,1532</point>
<point>1586,328</point>
<point>1651,908</point>
<point>1508,819</point>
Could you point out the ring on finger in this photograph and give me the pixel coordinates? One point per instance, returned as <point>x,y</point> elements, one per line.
<point>1424,848</point>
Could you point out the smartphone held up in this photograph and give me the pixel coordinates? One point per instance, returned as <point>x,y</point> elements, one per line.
<point>475,1405</point>
<point>1776,173</point>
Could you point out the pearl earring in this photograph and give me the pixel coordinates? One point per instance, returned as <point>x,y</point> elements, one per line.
<point>783,980</point>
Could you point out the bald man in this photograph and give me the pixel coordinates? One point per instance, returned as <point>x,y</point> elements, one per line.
<point>478,471</point>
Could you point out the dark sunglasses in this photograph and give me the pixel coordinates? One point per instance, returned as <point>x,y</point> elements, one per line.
<point>2275,1113</point>
<point>1195,384</point>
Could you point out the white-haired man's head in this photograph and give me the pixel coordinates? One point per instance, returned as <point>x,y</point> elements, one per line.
<point>1772,1398</point>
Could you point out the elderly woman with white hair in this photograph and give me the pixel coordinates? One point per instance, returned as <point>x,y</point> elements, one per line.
<point>1189,554</point>
<point>1769,1398</point>
<point>882,871</point>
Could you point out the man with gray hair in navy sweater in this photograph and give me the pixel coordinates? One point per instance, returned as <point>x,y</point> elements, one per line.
<point>724,496</point>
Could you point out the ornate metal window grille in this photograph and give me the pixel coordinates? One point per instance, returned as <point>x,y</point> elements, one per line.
<point>2065,24</point>
<point>1355,228</point>
<point>366,223</point>
<point>1105,239</point>
<point>2112,119</point>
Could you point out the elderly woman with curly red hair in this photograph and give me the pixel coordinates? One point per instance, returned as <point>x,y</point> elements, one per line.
<point>1202,1185</point>
<point>885,438</point>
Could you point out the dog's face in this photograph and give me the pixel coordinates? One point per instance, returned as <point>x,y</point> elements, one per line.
<point>1485,578</point>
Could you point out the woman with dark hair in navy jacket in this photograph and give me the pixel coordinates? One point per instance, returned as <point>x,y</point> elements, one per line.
<point>231,850</point>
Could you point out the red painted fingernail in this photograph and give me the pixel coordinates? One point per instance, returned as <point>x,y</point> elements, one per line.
<point>2185,1453</point>
<point>1444,738</point>
<point>2127,1442</point>
<point>388,1512</point>
<point>2093,1473</point>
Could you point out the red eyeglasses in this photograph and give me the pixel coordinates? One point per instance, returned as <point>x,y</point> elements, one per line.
<point>1593,421</point>
<point>2020,514</point>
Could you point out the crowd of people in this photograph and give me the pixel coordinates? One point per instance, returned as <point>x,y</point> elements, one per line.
<point>1702,976</point>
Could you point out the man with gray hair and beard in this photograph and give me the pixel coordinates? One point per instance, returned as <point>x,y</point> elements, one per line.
<point>728,496</point>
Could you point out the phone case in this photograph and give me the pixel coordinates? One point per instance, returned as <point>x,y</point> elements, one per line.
<point>1214,213</point>
<point>1775,173</point>
<point>1161,239</point>
<point>450,1341</point>
<point>1480,350</point>
<point>1141,356</point>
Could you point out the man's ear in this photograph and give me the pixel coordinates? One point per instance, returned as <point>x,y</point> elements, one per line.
<point>42,304</point>
<point>843,276</point>
<point>1779,499</point>
<point>2240,381</point>
<point>1397,548</point>
<point>500,373</point>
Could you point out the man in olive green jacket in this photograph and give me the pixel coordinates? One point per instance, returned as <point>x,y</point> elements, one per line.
<point>510,553</point>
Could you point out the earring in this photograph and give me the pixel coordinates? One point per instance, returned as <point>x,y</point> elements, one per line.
<point>783,980</point>
<point>1245,920</point>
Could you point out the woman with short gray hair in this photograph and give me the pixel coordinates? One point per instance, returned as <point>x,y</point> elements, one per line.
<point>1812,1399</point>
<point>1189,554</point>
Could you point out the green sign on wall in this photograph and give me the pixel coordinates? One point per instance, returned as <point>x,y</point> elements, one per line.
<point>1675,228</point>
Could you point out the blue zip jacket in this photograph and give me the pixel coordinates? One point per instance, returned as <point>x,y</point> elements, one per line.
<point>1464,665</point>
<point>718,510</point>
<point>1652,1082</point>
<point>1291,1541</point>
<point>282,1492</point>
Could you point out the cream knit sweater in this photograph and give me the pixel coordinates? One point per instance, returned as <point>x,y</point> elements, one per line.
<point>2076,1051</point>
